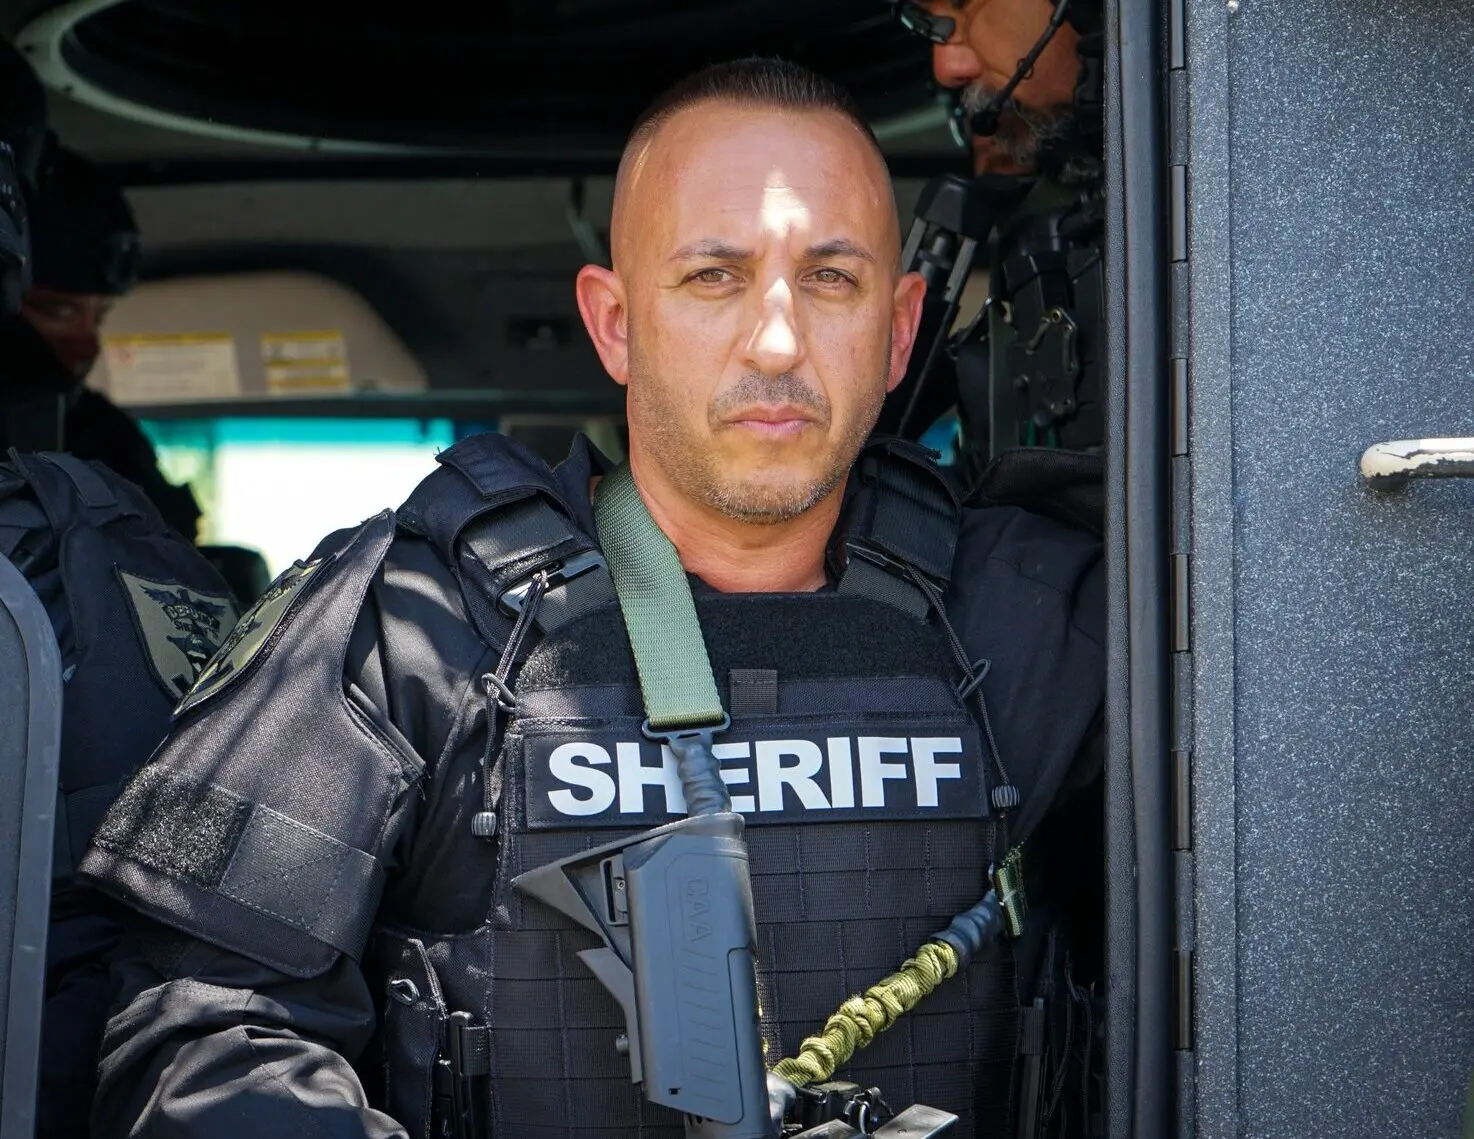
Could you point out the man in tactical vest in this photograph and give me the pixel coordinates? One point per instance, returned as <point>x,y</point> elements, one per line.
<point>1025,78</point>
<point>136,613</point>
<point>565,802</point>
<point>87,255</point>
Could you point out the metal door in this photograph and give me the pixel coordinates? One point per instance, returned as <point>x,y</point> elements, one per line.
<point>1322,292</point>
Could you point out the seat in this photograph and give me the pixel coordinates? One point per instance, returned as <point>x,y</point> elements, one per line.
<point>30,747</point>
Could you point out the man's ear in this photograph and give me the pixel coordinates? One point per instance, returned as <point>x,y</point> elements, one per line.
<point>905,320</point>
<point>602,304</point>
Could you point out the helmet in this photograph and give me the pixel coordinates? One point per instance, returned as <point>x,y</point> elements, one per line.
<point>83,234</point>
<point>22,112</point>
<point>22,135</point>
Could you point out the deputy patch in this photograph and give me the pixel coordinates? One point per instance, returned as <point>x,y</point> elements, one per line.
<point>251,632</point>
<point>182,628</point>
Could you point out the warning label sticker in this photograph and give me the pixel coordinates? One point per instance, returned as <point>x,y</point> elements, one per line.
<point>170,367</point>
<point>305,362</point>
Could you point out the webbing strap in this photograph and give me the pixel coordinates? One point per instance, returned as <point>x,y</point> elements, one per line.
<point>912,524</point>
<point>516,541</point>
<point>94,492</point>
<point>659,614</point>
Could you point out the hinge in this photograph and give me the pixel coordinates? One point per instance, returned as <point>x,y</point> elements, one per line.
<point>1181,611</point>
<point>1182,988</point>
<point>1179,189</point>
<point>1182,799</point>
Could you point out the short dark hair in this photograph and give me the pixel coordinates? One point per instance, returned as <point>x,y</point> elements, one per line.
<point>755,81</point>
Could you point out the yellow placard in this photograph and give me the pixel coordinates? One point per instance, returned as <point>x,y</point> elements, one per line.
<point>306,362</point>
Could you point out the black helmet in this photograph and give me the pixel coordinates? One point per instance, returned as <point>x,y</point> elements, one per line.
<point>22,136</point>
<point>83,235</point>
<point>22,112</point>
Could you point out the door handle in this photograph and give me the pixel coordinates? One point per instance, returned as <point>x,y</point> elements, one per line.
<point>1392,463</point>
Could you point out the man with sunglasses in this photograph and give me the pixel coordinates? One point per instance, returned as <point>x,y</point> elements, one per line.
<point>1024,78</point>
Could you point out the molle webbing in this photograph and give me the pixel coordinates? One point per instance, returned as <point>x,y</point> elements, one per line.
<point>838,904</point>
<point>62,482</point>
<point>497,514</point>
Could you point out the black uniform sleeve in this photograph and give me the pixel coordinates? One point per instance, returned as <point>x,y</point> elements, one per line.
<point>209,1042</point>
<point>1028,601</point>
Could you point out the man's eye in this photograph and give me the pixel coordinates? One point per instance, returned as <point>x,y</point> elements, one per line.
<point>711,276</point>
<point>830,277</point>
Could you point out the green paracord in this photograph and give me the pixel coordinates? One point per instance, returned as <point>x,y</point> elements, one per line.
<point>866,1015</point>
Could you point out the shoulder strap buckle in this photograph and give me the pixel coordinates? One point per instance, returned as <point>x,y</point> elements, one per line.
<point>559,573</point>
<point>859,548</point>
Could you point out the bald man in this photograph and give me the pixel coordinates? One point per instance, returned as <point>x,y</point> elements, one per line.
<point>446,697</point>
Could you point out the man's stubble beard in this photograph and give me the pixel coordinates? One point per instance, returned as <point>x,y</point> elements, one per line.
<point>696,472</point>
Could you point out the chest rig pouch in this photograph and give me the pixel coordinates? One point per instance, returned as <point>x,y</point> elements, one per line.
<point>137,614</point>
<point>867,784</point>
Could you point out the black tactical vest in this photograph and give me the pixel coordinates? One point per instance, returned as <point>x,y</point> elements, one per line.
<point>866,782</point>
<point>863,777</point>
<point>136,610</point>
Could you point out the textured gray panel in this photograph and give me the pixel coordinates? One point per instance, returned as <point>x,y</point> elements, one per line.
<point>1344,290</point>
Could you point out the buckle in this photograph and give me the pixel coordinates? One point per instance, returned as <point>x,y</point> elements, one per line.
<point>705,732</point>
<point>878,557</point>
<point>696,764</point>
<point>559,573</point>
<point>1008,884</point>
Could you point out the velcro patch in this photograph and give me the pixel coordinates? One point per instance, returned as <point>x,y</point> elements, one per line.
<point>251,632</point>
<point>599,779</point>
<point>181,628</point>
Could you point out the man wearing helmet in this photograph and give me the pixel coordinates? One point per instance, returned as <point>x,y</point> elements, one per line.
<point>86,255</point>
<point>135,608</point>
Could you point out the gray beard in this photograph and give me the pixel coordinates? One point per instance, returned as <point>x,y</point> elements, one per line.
<point>1024,131</point>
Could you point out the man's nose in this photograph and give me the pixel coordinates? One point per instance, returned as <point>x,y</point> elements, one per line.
<point>955,64</point>
<point>776,345</point>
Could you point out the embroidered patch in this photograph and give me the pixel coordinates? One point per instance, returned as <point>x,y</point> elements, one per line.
<point>251,632</point>
<point>181,627</point>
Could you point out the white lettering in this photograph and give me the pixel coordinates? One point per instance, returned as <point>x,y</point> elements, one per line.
<point>874,771</point>
<point>924,752</point>
<point>634,777</point>
<point>742,804</point>
<point>841,772</point>
<point>772,775</point>
<point>599,785</point>
<point>821,775</point>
